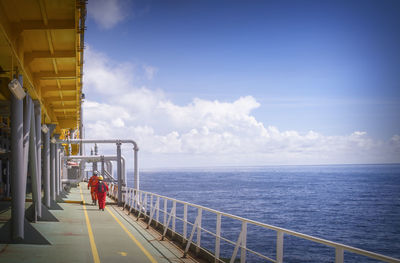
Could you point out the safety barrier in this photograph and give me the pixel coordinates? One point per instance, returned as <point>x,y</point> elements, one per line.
<point>148,204</point>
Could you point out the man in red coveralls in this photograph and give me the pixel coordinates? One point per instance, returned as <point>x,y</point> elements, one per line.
<point>92,184</point>
<point>101,191</point>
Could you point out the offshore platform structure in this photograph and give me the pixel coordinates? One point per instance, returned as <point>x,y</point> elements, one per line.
<point>41,134</point>
<point>41,69</point>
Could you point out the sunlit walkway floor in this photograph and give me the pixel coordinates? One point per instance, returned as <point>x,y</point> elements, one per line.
<point>84,233</point>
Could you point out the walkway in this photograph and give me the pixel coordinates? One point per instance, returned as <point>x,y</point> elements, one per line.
<point>86,234</point>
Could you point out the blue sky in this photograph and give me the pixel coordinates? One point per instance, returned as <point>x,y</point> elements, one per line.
<point>326,67</point>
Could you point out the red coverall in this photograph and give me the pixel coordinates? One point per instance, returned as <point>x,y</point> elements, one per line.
<point>101,191</point>
<point>92,184</point>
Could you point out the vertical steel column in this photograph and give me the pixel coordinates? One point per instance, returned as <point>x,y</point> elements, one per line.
<point>95,153</point>
<point>46,167</point>
<point>38,154</point>
<point>57,166</point>
<point>18,178</point>
<point>136,169</point>
<point>102,166</point>
<point>109,168</point>
<point>27,127</point>
<point>8,186</point>
<point>53,170</point>
<point>81,126</point>
<point>119,173</point>
<point>61,165</point>
<point>1,175</point>
<point>93,165</point>
<point>33,165</point>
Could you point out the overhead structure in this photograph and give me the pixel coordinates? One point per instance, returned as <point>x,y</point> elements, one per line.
<point>42,40</point>
<point>41,63</point>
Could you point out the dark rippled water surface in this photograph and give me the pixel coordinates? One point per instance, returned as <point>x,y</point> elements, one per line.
<point>358,205</point>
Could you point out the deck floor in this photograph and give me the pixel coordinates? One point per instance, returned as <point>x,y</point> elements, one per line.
<point>86,234</point>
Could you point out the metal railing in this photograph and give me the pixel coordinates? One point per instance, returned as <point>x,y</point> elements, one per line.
<point>149,204</point>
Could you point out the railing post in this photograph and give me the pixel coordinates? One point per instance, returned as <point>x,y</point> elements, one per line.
<point>152,210</point>
<point>235,250</point>
<point>135,199</point>
<point>173,218</point>
<point>126,198</point>
<point>145,204</point>
<point>151,203</point>
<point>158,209</point>
<point>165,212</point>
<point>217,237</point>
<point>243,247</point>
<point>131,196</point>
<point>196,222</point>
<point>339,255</point>
<point>185,208</point>
<point>132,201</point>
<point>199,214</point>
<point>279,247</point>
<point>171,215</point>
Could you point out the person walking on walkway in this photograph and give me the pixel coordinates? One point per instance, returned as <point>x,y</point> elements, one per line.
<point>92,184</point>
<point>101,191</point>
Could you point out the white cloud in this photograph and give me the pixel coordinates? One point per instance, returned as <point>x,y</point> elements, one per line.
<point>208,132</point>
<point>108,13</point>
<point>150,71</point>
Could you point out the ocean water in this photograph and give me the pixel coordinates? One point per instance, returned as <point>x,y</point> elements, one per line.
<point>357,205</point>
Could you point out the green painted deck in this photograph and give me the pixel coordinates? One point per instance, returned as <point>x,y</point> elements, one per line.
<point>117,237</point>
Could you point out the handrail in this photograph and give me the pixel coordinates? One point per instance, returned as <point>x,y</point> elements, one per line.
<point>135,198</point>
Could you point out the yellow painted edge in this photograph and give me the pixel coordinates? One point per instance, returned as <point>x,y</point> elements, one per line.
<point>149,256</point>
<point>96,258</point>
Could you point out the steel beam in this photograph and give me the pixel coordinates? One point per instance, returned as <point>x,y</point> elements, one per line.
<point>52,75</point>
<point>30,56</point>
<point>51,25</point>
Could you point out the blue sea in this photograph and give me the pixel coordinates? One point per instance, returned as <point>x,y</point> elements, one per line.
<point>357,205</point>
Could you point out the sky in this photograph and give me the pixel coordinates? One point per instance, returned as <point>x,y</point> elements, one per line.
<point>244,83</point>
